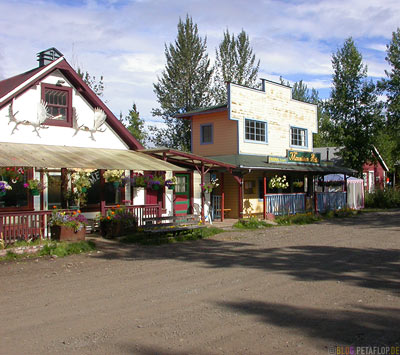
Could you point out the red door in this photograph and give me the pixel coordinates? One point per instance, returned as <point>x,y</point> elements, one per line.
<point>182,194</point>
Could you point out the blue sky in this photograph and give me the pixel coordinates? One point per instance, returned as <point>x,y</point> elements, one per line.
<point>124,40</point>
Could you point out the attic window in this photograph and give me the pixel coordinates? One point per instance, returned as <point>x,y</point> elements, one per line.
<point>59,105</point>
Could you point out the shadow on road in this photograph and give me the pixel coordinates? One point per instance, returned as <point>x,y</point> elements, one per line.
<point>371,268</point>
<point>361,327</point>
<point>382,220</point>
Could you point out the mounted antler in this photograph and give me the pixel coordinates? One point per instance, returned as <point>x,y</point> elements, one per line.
<point>42,115</point>
<point>99,119</point>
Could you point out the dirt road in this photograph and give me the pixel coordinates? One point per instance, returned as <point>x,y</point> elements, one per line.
<point>286,290</point>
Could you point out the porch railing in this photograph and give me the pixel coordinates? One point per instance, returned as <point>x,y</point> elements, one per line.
<point>216,206</point>
<point>139,211</point>
<point>330,201</point>
<point>24,225</point>
<point>281,204</point>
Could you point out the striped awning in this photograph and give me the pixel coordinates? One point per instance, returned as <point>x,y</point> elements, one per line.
<point>51,156</point>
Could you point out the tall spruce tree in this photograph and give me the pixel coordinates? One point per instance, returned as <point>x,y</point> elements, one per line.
<point>96,85</point>
<point>301,92</point>
<point>353,107</point>
<point>235,62</point>
<point>135,124</point>
<point>392,87</point>
<point>183,85</point>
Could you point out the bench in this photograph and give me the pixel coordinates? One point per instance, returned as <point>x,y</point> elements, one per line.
<point>171,224</point>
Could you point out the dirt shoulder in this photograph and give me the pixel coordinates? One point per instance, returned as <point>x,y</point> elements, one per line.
<point>284,290</point>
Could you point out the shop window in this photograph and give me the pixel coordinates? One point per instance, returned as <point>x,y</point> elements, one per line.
<point>19,196</point>
<point>298,137</point>
<point>94,192</point>
<point>249,187</point>
<point>59,104</point>
<point>256,131</point>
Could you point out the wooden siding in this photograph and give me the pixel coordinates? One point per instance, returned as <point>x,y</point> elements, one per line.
<point>224,134</point>
<point>275,107</point>
<point>231,188</point>
<point>251,203</point>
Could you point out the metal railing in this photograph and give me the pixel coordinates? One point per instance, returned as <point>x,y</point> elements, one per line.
<point>283,204</point>
<point>216,206</point>
<point>330,201</point>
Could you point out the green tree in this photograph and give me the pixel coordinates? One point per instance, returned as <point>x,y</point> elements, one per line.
<point>353,107</point>
<point>135,124</point>
<point>301,92</point>
<point>235,62</point>
<point>391,85</point>
<point>183,85</point>
<point>96,85</point>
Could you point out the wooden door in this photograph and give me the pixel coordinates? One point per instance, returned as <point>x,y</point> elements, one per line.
<point>182,194</point>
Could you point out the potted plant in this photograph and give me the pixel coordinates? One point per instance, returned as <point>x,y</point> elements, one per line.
<point>170,183</point>
<point>81,183</point>
<point>278,182</point>
<point>114,176</point>
<point>12,174</point>
<point>34,186</point>
<point>117,222</point>
<point>155,182</point>
<point>210,186</point>
<point>298,184</point>
<point>4,187</point>
<point>68,226</point>
<point>139,180</point>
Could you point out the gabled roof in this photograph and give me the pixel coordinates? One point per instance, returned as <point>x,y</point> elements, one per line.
<point>17,85</point>
<point>333,153</point>
<point>10,84</point>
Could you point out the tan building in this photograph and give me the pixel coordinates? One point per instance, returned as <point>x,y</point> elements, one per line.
<point>268,137</point>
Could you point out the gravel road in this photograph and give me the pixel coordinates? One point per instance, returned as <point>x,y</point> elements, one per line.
<point>284,290</point>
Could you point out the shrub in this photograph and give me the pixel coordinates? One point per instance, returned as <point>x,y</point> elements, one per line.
<point>388,198</point>
<point>300,218</point>
<point>251,223</point>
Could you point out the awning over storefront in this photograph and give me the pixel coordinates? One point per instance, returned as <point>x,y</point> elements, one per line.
<point>255,162</point>
<point>50,156</point>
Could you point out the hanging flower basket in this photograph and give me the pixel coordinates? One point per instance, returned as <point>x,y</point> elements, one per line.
<point>155,187</point>
<point>34,186</point>
<point>84,189</point>
<point>4,186</point>
<point>116,184</point>
<point>171,187</point>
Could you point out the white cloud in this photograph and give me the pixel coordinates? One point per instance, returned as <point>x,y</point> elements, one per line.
<point>124,41</point>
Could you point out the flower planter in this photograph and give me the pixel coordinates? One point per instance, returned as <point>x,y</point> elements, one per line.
<point>171,187</point>
<point>155,187</point>
<point>63,233</point>
<point>2,193</point>
<point>116,184</point>
<point>84,189</point>
<point>35,192</point>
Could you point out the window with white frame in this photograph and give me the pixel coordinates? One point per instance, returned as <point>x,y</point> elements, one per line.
<point>298,136</point>
<point>255,131</point>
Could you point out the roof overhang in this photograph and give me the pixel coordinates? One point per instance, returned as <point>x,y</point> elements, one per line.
<point>179,157</point>
<point>205,111</point>
<point>51,156</point>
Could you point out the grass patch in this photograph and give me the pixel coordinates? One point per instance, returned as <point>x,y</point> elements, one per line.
<point>169,237</point>
<point>251,223</point>
<point>300,218</point>
<point>53,248</point>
